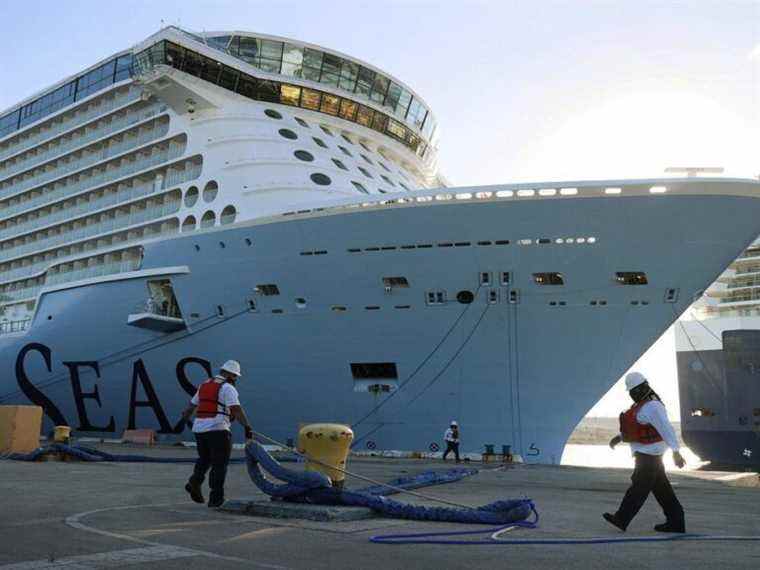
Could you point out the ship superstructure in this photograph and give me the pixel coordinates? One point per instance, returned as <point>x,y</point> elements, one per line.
<point>235,195</point>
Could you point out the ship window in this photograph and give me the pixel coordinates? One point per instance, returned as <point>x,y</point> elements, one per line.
<point>288,134</point>
<point>404,186</point>
<point>320,179</point>
<point>359,187</point>
<point>301,122</point>
<point>374,370</point>
<point>267,290</point>
<point>208,219</point>
<point>631,277</point>
<point>384,166</point>
<point>365,147</point>
<point>326,130</point>
<point>339,164</point>
<point>273,114</point>
<point>366,158</point>
<point>465,297</point>
<point>435,297</point>
<point>344,150</point>
<point>228,215</point>
<point>320,142</point>
<point>548,279</point>
<point>384,177</point>
<point>346,138</point>
<point>189,224</point>
<point>395,282</point>
<point>191,196</point>
<point>210,191</point>
<point>364,171</point>
<point>304,155</point>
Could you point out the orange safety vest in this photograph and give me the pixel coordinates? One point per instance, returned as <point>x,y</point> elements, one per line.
<point>633,431</point>
<point>209,405</point>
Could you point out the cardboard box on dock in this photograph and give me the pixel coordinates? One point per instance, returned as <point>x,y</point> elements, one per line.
<point>20,428</point>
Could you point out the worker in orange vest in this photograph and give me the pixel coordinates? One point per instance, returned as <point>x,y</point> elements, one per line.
<point>215,404</point>
<point>646,428</point>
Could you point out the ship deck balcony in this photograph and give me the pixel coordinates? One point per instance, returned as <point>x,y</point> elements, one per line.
<point>163,317</point>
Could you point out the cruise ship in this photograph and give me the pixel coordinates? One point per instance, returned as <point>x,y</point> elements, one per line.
<point>718,359</point>
<point>200,197</point>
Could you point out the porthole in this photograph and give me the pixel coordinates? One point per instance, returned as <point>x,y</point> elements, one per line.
<point>288,134</point>
<point>367,159</point>
<point>326,130</point>
<point>346,138</point>
<point>272,114</point>
<point>359,187</point>
<point>304,155</point>
<point>364,171</point>
<point>191,196</point>
<point>320,142</point>
<point>208,219</point>
<point>344,150</point>
<point>210,191</point>
<point>384,166</point>
<point>339,164</point>
<point>320,179</point>
<point>301,122</point>
<point>189,224</point>
<point>228,215</point>
<point>465,297</point>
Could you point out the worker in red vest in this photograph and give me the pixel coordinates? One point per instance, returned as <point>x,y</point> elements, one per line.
<point>215,404</point>
<point>646,428</point>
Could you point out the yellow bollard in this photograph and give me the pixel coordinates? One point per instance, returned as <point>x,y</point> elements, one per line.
<point>329,445</point>
<point>62,434</point>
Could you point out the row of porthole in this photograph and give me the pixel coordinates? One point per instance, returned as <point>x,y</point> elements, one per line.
<point>291,135</point>
<point>210,192</point>
<point>306,156</point>
<point>208,219</point>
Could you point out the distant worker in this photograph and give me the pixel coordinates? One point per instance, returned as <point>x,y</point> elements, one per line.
<point>451,437</point>
<point>646,427</point>
<point>215,402</point>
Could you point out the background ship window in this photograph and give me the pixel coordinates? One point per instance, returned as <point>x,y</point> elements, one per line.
<point>191,196</point>
<point>364,171</point>
<point>189,224</point>
<point>301,122</point>
<point>548,279</point>
<point>228,215</point>
<point>384,166</point>
<point>273,114</point>
<point>365,147</point>
<point>210,191</point>
<point>339,164</point>
<point>631,277</point>
<point>346,138</point>
<point>288,134</point>
<point>374,370</point>
<point>404,186</point>
<point>359,187</point>
<point>367,159</point>
<point>388,180</point>
<point>267,290</point>
<point>320,142</point>
<point>395,282</point>
<point>320,179</point>
<point>344,150</point>
<point>208,219</point>
<point>304,155</point>
<point>326,130</point>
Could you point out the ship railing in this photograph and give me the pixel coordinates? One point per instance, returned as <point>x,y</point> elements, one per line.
<point>68,124</point>
<point>7,327</point>
<point>164,308</point>
<point>75,143</point>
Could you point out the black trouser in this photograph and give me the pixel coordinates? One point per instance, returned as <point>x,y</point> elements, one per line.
<point>649,476</point>
<point>451,446</point>
<point>214,450</point>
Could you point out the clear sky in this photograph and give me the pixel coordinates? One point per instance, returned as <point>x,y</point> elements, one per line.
<point>523,91</point>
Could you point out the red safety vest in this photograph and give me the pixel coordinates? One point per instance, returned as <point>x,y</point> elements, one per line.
<point>633,431</point>
<point>209,405</point>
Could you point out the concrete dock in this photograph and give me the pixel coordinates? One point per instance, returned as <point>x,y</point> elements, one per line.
<point>98,515</point>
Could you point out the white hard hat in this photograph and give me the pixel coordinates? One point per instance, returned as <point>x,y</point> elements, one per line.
<point>232,366</point>
<point>633,379</point>
<point>454,423</point>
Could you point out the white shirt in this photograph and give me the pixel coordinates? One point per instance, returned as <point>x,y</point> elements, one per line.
<point>654,414</point>
<point>449,436</point>
<point>228,396</point>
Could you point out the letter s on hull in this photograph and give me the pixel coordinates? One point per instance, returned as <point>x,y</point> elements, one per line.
<point>30,391</point>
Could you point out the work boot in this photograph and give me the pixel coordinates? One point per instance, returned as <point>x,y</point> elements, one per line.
<point>215,500</point>
<point>195,492</point>
<point>614,521</point>
<point>668,526</point>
